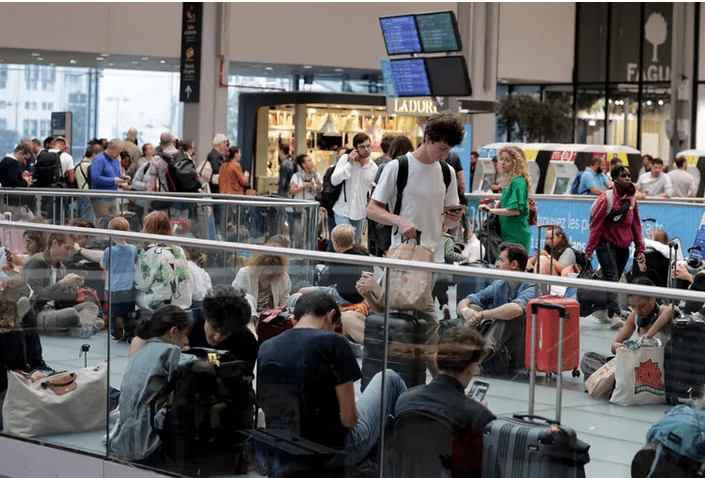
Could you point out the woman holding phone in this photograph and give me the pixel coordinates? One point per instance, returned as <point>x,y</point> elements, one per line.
<point>514,204</point>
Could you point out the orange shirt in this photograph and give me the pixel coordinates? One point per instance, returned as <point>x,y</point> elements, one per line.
<point>232,180</point>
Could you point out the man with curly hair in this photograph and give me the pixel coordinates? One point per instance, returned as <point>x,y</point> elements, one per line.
<point>222,324</point>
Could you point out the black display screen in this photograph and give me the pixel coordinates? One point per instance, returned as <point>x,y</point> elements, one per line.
<point>410,77</point>
<point>438,32</point>
<point>448,76</point>
<point>400,35</point>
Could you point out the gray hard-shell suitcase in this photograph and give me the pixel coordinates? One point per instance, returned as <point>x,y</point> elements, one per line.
<point>407,334</point>
<point>528,446</point>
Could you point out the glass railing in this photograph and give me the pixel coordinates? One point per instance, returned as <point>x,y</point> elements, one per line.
<point>293,410</point>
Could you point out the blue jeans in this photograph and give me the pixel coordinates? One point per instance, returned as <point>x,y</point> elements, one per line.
<point>365,433</point>
<point>612,261</point>
<point>356,224</point>
<point>331,225</point>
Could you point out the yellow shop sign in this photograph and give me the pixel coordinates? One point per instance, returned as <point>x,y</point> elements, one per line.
<point>411,106</point>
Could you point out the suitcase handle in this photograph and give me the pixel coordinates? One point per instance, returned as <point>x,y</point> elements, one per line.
<point>547,305</point>
<point>524,416</point>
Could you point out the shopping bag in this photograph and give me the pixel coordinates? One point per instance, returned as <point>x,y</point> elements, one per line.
<point>410,289</point>
<point>63,403</point>
<point>601,383</point>
<point>639,376</point>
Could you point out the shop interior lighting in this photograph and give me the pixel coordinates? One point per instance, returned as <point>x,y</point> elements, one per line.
<point>648,102</point>
<point>660,102</point>
<point>417,132</point>
<point>374,129</point>
<point>328,127</point>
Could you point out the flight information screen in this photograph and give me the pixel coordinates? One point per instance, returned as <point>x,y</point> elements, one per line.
<point>410,77</point>
<point>400,35</point>
<point>438,32</point>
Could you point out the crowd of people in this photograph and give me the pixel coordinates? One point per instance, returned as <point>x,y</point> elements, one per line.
<point>163,298</point>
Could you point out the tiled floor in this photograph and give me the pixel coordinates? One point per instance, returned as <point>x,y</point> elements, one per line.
<point>614,433</point>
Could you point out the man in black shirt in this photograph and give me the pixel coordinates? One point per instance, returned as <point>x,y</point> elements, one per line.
<point>316,367</point>
<point>11,168</point>
<point>223,324</point>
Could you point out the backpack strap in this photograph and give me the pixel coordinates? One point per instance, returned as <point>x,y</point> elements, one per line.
<point>402,176</point>
<point>83,173</point>
<point>446,172</point>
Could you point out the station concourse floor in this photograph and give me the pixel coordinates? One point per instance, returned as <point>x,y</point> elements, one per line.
<point>614,433</point>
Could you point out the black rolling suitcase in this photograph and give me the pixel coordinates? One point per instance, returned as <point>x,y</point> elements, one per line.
<point>684,359</point>
<point>406,336</point>
<point>528,446</point>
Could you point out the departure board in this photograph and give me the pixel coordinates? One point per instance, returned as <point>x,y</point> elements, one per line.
<point>438,32</point>
<point>410,77</point>
<point>400,35</point>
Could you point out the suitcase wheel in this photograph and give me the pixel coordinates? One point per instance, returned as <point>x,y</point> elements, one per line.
<point>576,373</point>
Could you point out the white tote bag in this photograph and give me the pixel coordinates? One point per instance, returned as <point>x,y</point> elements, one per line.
<point>640,375</point>
<point>37,408</point>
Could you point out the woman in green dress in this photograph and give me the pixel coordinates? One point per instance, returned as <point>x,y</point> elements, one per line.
<point>513,209</point>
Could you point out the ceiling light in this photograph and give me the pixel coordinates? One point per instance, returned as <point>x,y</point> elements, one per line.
<point>354,112</point>
<point>338,70</point>
<point>660,102</point>
<point>268,68</point>
<point>162,61</point>
<point>111,64</point>
<point>105,54</point>
<point>307,67</point>
<point>73,62</point>
<point>311,110</point>
<point>145,58</point>
<point>52,64</point>
<point>100,58</point>
<point>134,62</point>
<point>36,54</point>
<point>40,58</point>
<point>648,102</point>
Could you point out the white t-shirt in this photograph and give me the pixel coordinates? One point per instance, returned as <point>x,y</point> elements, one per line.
<point>352,202</point>
<point>681,182</point>
<point>423,200</point>
<point>66,162</point>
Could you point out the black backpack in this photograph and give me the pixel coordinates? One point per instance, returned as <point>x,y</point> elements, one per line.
<point>380,235</point>
<point>329,194</point>
<point>47,171</point>
<point>182,173</point>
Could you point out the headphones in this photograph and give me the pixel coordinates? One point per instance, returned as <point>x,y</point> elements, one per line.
<point>648,320</point>
<point>694,261</point>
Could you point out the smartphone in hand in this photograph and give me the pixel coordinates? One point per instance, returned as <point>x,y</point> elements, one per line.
<point>478,390</point>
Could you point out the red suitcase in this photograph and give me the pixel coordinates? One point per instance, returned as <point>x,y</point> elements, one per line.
<point>547,336</point>
<point>547,322</point>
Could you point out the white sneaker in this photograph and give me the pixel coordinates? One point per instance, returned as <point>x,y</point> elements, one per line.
<point>602,316</point>
<point>616,322</point>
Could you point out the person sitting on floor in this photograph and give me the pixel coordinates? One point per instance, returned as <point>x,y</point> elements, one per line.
<point>321,380</point>
<point>459,351</point>
<point>504,303</point>
<point>54,299</point>
<point>222,324</point>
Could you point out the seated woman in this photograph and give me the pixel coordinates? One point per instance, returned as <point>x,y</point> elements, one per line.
<point>685,279</point>
<point>154,360</point>
<point>265,281</point>
<point>222,324</point>
<point>162,270</point>
<point>20,348</point>
<point>648,318</point>
<point>558,246</point>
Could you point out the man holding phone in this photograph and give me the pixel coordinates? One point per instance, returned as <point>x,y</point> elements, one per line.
<point>356,171</point>
<point>459,351</point>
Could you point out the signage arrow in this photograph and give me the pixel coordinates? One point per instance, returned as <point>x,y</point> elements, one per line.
<point>188,91</point>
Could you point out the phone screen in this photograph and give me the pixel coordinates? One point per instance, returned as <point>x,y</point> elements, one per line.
<point>478,390</point>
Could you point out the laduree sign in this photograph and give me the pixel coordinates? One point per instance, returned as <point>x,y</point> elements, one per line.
<point>411,106</point>
<point>191,26</point>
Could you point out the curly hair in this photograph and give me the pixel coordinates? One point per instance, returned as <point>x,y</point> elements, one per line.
<point>225,308</point>
<point>520,168</point>
<point>15,289</point>
<point>270,264</point>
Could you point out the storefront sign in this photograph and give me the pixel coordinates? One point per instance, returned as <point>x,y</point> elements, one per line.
<point>411,106</point>
<point>191,26</point>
